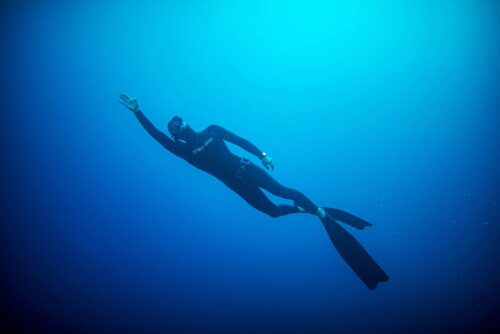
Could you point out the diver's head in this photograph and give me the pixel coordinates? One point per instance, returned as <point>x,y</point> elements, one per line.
<point>176,126</point>
<point>179,129</point>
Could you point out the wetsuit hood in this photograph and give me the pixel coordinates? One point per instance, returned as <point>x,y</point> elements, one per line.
<point>180,130</point>
<point>176,125</point>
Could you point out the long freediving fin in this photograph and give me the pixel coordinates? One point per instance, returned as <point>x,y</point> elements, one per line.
<point>354,254</point>
<point>347,218</point>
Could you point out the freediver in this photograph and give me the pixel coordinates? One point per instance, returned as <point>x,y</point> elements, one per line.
<point>207,151</point>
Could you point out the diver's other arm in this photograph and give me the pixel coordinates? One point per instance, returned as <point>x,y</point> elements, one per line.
<point>266,160</point>
<point>133,105</point>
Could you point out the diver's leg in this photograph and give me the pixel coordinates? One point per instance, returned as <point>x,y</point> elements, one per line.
<point>262,179</point>
<point>254,196</point>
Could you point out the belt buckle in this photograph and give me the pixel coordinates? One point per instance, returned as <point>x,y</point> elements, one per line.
<point>239,173</point>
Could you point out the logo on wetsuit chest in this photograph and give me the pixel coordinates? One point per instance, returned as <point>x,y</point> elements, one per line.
<point>202,147</point>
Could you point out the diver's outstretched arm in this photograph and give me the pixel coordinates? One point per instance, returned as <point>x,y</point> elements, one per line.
<point>267,161</point>
<point>133,105</point>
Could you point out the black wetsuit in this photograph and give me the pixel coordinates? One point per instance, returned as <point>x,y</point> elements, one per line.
<point>210,153</point>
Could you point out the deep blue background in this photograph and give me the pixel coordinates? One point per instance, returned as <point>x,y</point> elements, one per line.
<point>386,109</point>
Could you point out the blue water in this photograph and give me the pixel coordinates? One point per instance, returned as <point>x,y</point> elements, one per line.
<point>386,109</point>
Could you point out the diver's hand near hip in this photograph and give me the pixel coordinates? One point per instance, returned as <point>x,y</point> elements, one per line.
<point>129,102</point>
<point>267,161</point>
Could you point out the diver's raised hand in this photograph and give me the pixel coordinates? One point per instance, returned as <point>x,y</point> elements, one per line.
<point>267,161</point>
<point>129,102</point>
